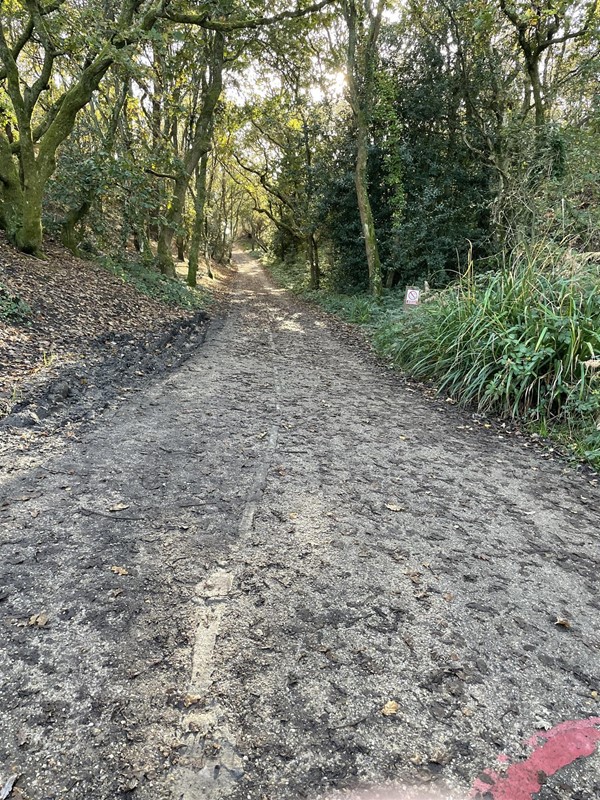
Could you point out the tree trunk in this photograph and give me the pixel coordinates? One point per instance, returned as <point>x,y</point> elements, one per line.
<point>22,193</point>
<point>361,57</point>
<point>315,271</point>
<point>29,235</point>
<point>164,255</point>
<point>198,221</point>
<point>366,213</point>
<point>533,71</point>
<point>11,195</point>
<point>69,235</point>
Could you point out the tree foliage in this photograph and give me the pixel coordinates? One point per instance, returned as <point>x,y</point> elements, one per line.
<point>373,143</point>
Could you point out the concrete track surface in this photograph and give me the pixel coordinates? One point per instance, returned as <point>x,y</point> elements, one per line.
<point>281,573</point>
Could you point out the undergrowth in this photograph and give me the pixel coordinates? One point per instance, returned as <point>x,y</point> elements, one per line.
<point>522,342</point>
<point>152,283</point>
<point>358,308</point>
<point>13,308</point>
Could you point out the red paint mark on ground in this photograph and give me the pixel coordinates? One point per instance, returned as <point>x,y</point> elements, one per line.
<point>552,750</point>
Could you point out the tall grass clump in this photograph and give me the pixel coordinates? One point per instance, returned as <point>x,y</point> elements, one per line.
<point>521,342</point>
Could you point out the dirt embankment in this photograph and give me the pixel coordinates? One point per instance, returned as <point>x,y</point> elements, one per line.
<point>90,339</point>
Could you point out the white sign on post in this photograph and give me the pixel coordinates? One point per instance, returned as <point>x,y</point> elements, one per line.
<point>412,297</point>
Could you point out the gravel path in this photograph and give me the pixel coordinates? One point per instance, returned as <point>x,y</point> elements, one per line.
<point>281,572</point>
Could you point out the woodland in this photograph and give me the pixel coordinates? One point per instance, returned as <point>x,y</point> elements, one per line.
<point>359,146</point>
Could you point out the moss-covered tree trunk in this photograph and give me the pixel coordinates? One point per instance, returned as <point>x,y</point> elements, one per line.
<point>27,234</point>
<point>29,237</point>
<point>198,231</point>
<point>69,234</point>
<point>11,193</point>
<point>42,131</point>
<point>37,159</point>
<point>367,220</point>
<point>363,33</point>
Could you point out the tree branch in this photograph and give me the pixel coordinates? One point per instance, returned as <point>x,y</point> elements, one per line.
<point>27,33</point>
<point>204,20</point>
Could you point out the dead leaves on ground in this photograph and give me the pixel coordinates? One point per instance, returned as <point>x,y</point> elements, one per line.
<point>119,507</point>
<point>34,621</point>
<point>38,620</point>
<point>74,303</point>
<point>563,622</point>
<point>119,570</point>
<point>390,708</point>
<point>191,699</point>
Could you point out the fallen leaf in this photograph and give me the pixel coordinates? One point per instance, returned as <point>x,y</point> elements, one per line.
<point>119,570</point>
<point>448,597</point>
<point>394,507</point>
<point>390,708</point>
<point>119,507</point>
<point>439,756</point>
<point>38,620</point>
<point>8,787</point>
<point>564,622</point>
<point>191,699</point>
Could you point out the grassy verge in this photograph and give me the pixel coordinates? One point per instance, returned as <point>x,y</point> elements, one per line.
<point>522,343</point>
<point>148,281</point>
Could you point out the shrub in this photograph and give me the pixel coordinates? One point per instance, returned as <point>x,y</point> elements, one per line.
<point>12,308</point>
<point>519,342</point>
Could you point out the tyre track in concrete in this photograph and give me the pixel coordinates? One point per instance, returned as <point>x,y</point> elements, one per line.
<point>305,540</point>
